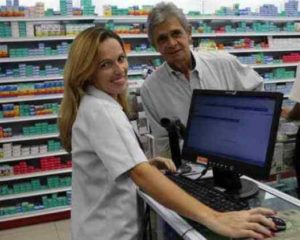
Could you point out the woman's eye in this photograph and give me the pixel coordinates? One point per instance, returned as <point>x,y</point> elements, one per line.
<point>122,58</point>
<point>105,65</point>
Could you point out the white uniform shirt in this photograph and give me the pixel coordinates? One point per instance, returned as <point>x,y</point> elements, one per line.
<point>167,94</point>
<point>104,149</point>
<point>295,93</point>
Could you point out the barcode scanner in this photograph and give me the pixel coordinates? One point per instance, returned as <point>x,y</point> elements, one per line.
<point>176,131</point>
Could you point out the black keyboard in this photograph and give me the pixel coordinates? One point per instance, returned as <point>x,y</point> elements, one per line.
<point>203,191</point>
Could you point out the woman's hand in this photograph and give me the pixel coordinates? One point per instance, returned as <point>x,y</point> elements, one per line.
<point>244,224</point>
<point>163,164</point>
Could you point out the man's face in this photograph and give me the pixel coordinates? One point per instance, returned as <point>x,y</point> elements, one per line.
<point>172,41</point>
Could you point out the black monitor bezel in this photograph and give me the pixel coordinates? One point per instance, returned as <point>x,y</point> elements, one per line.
<point>258,172</point>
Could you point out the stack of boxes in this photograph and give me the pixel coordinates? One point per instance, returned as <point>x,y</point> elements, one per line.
<point>45,164</point>
<point>3,51</point>
<point>291,8</point>
<point>5,30</point>
<point>87,8</point>
<point>35,185</point>
<point>39,9</point>
<point>112,10</point>
<point>66,7</point>
<point>268,10</point>
<point>10,150</point>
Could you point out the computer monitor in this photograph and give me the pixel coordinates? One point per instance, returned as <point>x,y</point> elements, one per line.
<point>236,131</point>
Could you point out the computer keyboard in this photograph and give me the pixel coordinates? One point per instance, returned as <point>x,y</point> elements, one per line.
<point>204,192</point>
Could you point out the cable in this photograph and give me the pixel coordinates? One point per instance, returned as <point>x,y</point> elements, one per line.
<point>204,171</point>
<point>146,225</point>
<point>186,232</point>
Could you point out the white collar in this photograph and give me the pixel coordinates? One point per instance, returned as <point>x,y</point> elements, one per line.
<point>196,68</point>
<point>95,92</point>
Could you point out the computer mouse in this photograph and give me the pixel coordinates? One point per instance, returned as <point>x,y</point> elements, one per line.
<point>184,169</point>
<point>280,223</point>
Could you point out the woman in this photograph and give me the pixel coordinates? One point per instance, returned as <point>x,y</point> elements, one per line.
<point>108,163</point>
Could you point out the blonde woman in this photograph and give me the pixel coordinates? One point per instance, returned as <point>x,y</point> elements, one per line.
<point>108,164</point>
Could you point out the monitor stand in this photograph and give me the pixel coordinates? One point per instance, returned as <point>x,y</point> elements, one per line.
<point>233,184</point>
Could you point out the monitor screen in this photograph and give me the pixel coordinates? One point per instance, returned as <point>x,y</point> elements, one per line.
<point>233,129</point>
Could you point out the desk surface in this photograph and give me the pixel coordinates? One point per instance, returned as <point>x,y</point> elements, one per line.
<point>287,206</point>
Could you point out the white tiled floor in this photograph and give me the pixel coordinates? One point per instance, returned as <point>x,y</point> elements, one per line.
<point>59,230</point>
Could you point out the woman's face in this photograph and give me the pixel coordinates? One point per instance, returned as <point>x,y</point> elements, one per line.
<point>111,74</point>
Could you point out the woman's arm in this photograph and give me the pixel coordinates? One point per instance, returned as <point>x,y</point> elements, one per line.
<point>252,223</point>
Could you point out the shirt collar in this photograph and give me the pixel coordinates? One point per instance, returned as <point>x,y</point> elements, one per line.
<point>93,91</point>
<point>176,73</point>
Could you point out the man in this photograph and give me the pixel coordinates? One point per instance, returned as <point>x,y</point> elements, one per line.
<point>167,92</point>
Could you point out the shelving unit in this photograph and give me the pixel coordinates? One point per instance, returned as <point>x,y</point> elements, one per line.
<point>217,24</point>
<point>31,98</point>
<point>23,158</point>
<point>35,193</point>
<point>32,175</point>
<point>37,213</point>
<point>136,57</point>
<point>40,111</point>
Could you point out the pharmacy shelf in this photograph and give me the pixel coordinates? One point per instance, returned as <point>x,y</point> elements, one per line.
<point>137,36</point>
<point>33,58</point>
<point>244,18</point>
<point>245,34</point>
<point>34,193</point>
<point>30,79</point>
<point>31,98</point>
<point>142,54</point>
<point>64,57</point>
<point>136,83</point>
<point>140,35</point>
<point>121,19</point>
<point>35,213</point>
<point>279,81</point>
<point>38,39</point>
<point>142,19</point>
<point>33,156</point>
<point>135,72</point>
<point>42,19</point>
<point>28,138</point>
<point>260,50</point>
<point>37,174</point>
<point>257,66</point>
<point>29,118</point>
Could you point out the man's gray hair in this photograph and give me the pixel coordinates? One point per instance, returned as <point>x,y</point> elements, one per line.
<point>160,13</point>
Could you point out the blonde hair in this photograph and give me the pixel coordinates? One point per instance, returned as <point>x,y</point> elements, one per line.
<point>79,70</point>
